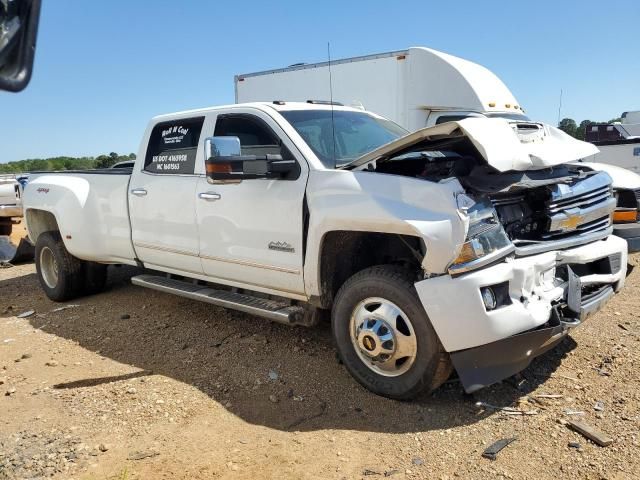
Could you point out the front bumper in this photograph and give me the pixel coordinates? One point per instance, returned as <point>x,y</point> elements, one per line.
<point>546,295</point>
<point>630,232</point>
<point>10,211</point>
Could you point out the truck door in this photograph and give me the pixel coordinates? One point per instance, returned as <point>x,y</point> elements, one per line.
<point>252,232</point>
<point>162,197</point>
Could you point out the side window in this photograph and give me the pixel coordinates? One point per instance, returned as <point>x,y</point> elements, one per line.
<point>256,138</point>
<point>173,145</point>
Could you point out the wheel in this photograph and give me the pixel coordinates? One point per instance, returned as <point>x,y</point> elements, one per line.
<point>6,229</point>
<point>384,337</point>
<point>95,275</point>
<point>60,273</point>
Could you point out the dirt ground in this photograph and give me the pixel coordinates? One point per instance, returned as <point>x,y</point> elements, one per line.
<point>134,384</point>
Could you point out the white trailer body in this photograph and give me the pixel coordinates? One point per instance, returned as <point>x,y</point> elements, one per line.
<point>412,87</point>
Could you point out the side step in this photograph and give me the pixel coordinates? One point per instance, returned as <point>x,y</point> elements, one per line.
<point>276,311</point>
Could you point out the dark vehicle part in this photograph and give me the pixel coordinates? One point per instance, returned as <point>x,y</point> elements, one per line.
<point>18,31</point>
<point>15,246</point>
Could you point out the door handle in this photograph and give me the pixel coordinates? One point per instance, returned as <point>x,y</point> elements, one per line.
<point>209,196</point>
<point>139,192</point>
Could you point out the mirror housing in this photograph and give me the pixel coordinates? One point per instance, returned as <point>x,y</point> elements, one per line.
<point>18,31</point>
<point>226,164</point>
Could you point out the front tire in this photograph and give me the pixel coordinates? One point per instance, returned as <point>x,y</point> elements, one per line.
<point>60,273</point>
<point>384,336</point>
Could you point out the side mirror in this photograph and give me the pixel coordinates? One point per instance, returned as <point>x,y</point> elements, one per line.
<point>226,164</point>
<point>18,30</point>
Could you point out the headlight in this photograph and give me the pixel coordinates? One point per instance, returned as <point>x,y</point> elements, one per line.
<point>486,240</point>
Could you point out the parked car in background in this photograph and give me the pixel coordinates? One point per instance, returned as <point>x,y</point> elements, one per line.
<point>10,203</point>
<point>461,246</point>
<point>14,244</point>
<point>626,189</point>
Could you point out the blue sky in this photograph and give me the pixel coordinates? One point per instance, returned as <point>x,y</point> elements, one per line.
<point>103,68</point>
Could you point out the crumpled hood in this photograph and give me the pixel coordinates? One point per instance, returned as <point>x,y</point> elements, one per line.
<point>505,145</point>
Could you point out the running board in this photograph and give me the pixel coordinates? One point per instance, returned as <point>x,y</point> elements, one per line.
<point>276,311</point>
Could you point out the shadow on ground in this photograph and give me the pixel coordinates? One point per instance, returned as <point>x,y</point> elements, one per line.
<point>233,357</point>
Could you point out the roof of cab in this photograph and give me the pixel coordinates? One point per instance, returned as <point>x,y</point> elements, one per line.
<point>277,105</point>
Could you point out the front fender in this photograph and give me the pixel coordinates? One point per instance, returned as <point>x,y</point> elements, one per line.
<point>374,202</point>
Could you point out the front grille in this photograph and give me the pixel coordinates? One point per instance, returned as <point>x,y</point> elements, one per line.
<point>583,207</point>
<point>558,211</point>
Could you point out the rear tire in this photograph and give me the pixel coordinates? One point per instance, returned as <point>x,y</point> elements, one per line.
<point>60,273</point>
<point>384,336</point>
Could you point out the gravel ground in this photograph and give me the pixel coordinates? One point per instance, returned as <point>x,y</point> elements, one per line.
<point>134,384</point>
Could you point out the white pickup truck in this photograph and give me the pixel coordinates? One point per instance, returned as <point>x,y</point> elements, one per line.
<point>467,245</point>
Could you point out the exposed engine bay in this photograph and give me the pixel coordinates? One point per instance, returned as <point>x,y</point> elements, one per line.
<point>536,207</point>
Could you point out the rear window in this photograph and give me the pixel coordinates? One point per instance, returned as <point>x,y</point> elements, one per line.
<point>173,146</point>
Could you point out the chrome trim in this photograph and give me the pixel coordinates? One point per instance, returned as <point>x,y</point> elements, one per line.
<point>456,269</point>
<point>563,192</point>
<point>209,196</point>
<point>251,264</point>
<point>218,259</point>
<point>586,199</point>
<point>573,241</point>
<point>581,216</point>
<point>164,249</point>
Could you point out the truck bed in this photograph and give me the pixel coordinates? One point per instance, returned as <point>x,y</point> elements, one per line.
<point>90,208</point>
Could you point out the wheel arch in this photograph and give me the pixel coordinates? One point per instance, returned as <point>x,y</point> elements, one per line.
<point>344,253</point>
<point>40,221</point>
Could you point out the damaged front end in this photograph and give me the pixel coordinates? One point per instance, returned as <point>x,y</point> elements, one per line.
<point>563,266</point>
<point>538,257</point>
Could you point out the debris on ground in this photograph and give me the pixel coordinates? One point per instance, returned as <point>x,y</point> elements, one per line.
<point>65,307</point>
<point>138,455</point>
<point>26,314</point>
<point>507,410</point>
<point>491,452</point>
<point>591,433</point>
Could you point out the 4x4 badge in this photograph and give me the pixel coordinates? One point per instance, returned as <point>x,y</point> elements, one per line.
<point>281,247</point>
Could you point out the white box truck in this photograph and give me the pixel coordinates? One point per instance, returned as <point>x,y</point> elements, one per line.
<point>420,87</point>
<point>415,88</point>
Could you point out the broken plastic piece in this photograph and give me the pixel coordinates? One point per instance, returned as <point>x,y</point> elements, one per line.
<point>492,450</point>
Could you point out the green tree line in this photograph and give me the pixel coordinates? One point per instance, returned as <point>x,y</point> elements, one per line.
<point>569,126</point>
<point>64,163</point>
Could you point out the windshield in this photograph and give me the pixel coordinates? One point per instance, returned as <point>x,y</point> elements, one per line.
<point>508,116</point>
<point>356,133</point>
